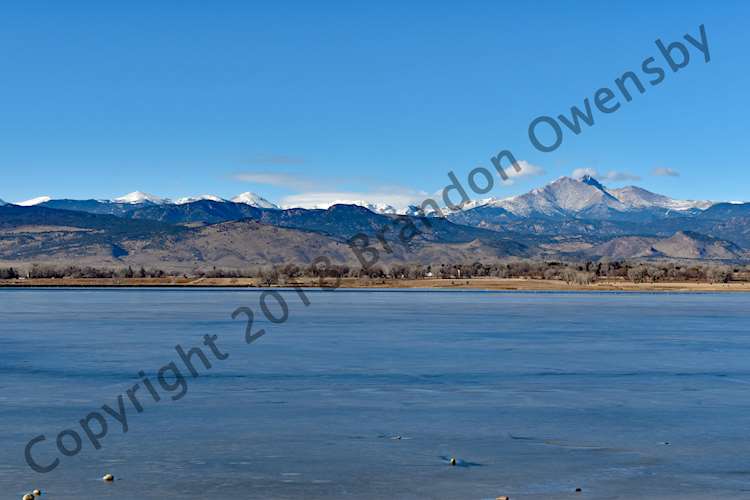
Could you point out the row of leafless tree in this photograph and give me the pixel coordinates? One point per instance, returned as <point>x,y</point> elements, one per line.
<point>74,272</point>
<point>570,272</point>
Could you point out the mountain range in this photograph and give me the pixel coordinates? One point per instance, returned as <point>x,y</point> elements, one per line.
<point>566,219</point>
<point>139,200</point>
<point>582,197</point>
<point>587,198</point>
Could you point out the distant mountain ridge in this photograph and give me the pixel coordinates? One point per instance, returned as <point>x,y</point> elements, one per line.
<point>564,197</point>
<point>254,200</point>
<point>681,245</point>
<point>201,211</point>
<point>295,236</point>
<point>568,218</point>
<point>586,196</point>
<point>267,237</point>
<point>637,198</point>
<point>34,201</point>
<point>137,201</point>
<point>139,197</point>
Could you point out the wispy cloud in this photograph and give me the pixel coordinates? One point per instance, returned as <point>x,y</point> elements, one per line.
<point>611,176</point>
<point>277,179</point>
<point>527,170</point>
<point>324,192</point>
<point>266,160</point>
<point>665,172</point>
<point>615,176</point>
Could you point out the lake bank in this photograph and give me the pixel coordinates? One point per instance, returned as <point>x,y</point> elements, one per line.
<point>510,284</point>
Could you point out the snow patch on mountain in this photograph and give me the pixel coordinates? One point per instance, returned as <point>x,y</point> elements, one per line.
<point>193,199</point>
<point>379,208</point>
<point>561,197</point>
<point>140,197</point>
<point>565,197</point>
<point>427,211</point>
<point>635,198</point>
<point>34,201</point>
<point>568,196</point>
<point>253,200</point>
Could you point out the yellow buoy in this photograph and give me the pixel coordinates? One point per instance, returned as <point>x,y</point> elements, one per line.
<point>108,478</point>
<point>37,493</point>
<point>503,498</point>
<point>28,496</point>
<point>453,461</point>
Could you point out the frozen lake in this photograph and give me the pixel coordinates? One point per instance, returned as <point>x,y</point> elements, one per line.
<point>367,394</point>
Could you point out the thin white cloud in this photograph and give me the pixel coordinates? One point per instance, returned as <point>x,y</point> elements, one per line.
<point>527,170</point>
<point>397,196</point>
<point>615,176</point>
<point>322,194</point>
<point>611,176</point>
<point>283,180</point>
<point>665,172</point>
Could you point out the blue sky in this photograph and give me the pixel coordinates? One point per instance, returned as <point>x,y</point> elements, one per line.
<point>303,101</point>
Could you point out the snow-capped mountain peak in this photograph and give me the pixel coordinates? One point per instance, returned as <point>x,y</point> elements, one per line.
<point>580,197</point>
<point>637,198</point>
<point>253,200</point>
<point>587,179</point>
<point>34,201</point>
<point>140,197</point>
<point>567,196</point>
<point>563,196</point>
<point>381,208</point>
<point>191,199</point>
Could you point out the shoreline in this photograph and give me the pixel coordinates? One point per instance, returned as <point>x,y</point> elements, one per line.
<point>488,284</point>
